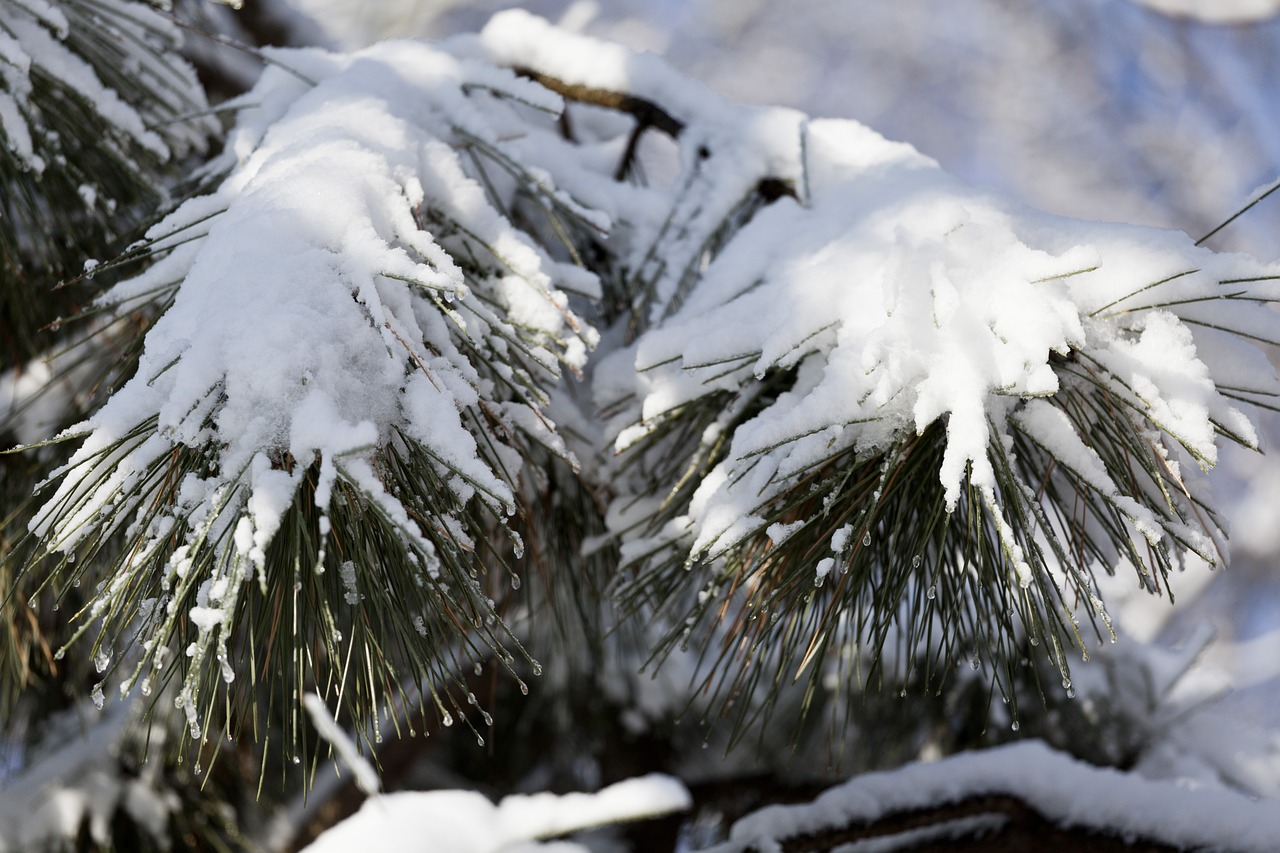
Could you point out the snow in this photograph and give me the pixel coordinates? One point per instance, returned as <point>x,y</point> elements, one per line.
<point>38,38</point>
<point>1067,792</point>
<point>901,298</point>
<point>907,299</point>
<point>468,822</point>
<point>329,305</point>
<point>317,317</point>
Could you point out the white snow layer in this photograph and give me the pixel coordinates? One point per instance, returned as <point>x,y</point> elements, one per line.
<point>468,822</point>
<point>1067,792</point>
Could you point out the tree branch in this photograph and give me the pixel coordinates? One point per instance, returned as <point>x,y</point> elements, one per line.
<point>645,112</point>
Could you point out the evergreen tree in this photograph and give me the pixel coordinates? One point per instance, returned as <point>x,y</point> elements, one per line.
<point>514,384</point>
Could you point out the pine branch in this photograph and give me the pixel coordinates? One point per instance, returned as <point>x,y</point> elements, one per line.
<point>261,532</point>
<point>99,113</point>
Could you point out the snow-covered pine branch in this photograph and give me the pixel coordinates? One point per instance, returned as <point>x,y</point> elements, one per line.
<point>899,400</point>
<point>355,344</point>
<point>97,113</point>
<point>852,400</point>
<point>888,403</point>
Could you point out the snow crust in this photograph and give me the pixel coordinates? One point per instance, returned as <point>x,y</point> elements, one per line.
<point>1067,792</point>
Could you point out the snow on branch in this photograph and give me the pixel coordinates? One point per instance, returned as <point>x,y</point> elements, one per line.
<point>1022,796</point>
<point>863,401</point>
<point>97,113</point>
<point>884,397</point>
<point>355,342</point>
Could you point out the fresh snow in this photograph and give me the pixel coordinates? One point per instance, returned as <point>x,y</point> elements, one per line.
<point>36,40</point>
<point>322,310</point>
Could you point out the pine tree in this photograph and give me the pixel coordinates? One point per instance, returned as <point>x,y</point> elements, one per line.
<point>518,366</point>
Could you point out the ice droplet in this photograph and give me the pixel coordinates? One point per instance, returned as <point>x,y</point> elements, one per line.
<point>102,660</point>
<point>446,720</point>
<point>1071,693</point>
<point>866,539</point>
<point>97,697</point>
<point>1015,725</point>
<point>197,769</point>
<point>537,668</point>
<point>479,740</point>
<point>524,688</point>
<point>297,760</point>
<point>915,561</point>
<point>974,664</point>
<point>933,592</point>
<point>903,694</point>
<point>515,581</point>
<point>477,668</point>
<point>471,699</point>
<point>488,720</point>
